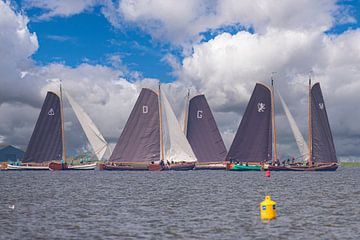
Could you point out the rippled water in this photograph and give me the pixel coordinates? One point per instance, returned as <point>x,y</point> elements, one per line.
<point>178,205</point>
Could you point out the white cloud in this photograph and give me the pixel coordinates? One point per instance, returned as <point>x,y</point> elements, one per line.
<point>102,91</point>
<point>17,44</point>
<point>68,8</point>
<point>63,8</point>
<point>182,21</point>
<point>227,67</point>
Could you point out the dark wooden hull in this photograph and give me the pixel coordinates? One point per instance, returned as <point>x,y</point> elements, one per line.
<point>111,167</point>
<point>155,167</point>
<point>55,166</point>
<point>324,168</point>
<point>149,167</point>
<point>181,166</point>
<point>172,167</point>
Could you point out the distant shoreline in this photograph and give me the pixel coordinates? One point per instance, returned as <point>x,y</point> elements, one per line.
<point>350,164</point>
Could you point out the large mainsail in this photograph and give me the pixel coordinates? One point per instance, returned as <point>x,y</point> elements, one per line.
<point>46,140</point>
<point>323,148</point>
<point>300,141</point>
<point>253,139</point>
<point>140,139</point>
<point>96,139</point>
<point>203,133</point>
<point>179,149</point>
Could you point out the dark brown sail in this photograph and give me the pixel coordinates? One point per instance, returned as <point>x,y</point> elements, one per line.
<point>203,133</point>
<point>253,140</point>
<point>140,139</point>
<point>323,148</point>
<point>46,140</point>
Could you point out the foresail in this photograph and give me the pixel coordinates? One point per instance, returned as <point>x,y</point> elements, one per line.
<point>203,133</point>
<point>323,147</point>
<point>46,140</point>
<point>96,139</point>
<point>300,141</point>
<point>179,149</point>
<point>140,139</point>
<point>253,139</point>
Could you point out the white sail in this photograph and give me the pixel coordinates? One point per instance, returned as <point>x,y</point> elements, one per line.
<point>97,141</point>
<point>300,141</point>
<point>179,149</point>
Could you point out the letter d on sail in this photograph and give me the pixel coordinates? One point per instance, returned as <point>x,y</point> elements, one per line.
<point>199,114</point>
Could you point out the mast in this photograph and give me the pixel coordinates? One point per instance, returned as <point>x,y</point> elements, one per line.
<point>62,123</point>
<point>187,99</point>
<point>161,127</point>
<point>310,125</point>
<point>273,118</point>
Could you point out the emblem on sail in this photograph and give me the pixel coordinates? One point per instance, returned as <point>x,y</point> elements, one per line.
<point>321,106</point>
<point>261,107</point>
<point>255,127</point>
<point>51,112</point>
<point>145,109</point>
<point>199,114</point>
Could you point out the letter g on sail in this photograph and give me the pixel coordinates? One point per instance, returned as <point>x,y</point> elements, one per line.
<point>51,112</point>
<point>261,107</point>
<point>199,114</point>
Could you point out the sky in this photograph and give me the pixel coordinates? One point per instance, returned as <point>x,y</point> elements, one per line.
<point>106,51</point>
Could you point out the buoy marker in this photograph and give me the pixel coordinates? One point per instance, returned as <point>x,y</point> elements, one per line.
<point>268,209</point>
<point>267,173</point>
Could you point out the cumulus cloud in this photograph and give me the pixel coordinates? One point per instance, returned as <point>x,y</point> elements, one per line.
<point>17,45</point>
<point>60,8</point>
<point>182,21</point>
<point>227,67</point>
<point>102,91</point>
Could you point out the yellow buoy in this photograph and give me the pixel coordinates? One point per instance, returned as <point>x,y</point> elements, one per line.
<point>268,209</point>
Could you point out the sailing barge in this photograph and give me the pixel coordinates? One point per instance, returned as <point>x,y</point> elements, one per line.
<point>322,154</point>
<point>252,145</point>
<point>203,134</point>
<point>141,146</point>
<point>46,149</point>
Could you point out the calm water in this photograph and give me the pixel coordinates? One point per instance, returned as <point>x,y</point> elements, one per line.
<point>178,205</point>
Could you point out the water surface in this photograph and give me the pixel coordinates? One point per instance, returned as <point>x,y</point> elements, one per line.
<point>178,205</point>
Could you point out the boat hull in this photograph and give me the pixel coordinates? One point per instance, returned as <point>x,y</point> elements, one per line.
<point>25,167</point>
<point>129,167</point>
<point>210,166</point>
<point>181,166</point>
<point>320,168</point>
<point>146,167</point>
<point>171,167</point>
<point>55,166</point>
<point>240,167</point>
<point>155,167</point>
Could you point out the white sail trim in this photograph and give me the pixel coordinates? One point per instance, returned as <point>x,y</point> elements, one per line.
<point>96,139</point>
<point>300,141</point>
<point>179,149</point>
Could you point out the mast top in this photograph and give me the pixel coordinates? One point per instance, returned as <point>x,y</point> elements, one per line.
<point>310,73</point>
<point>272,78</point>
